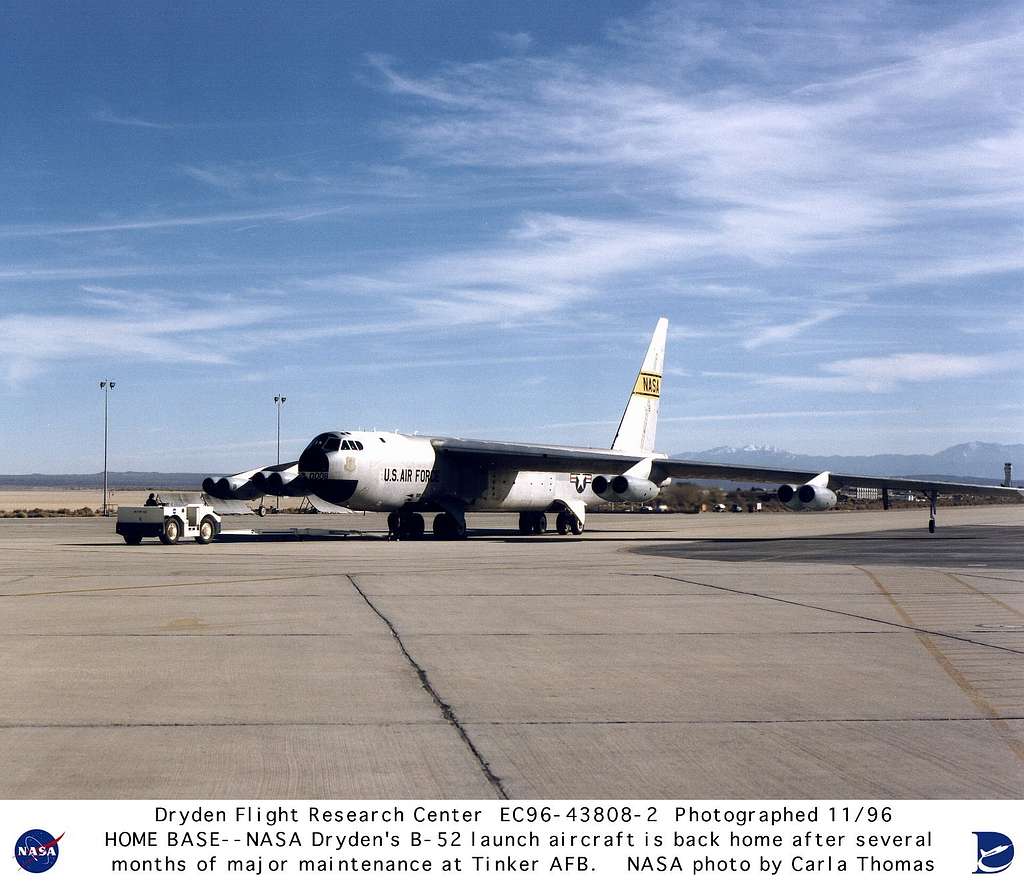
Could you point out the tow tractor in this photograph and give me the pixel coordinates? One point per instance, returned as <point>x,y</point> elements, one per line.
<point>169,523</point>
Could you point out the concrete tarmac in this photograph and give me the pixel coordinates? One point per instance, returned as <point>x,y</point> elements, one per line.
<point>839,655</point>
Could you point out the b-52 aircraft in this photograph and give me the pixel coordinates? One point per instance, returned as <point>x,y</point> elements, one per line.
<point>411,475</point>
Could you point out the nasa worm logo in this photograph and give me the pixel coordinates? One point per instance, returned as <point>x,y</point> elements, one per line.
<point>36,850</point>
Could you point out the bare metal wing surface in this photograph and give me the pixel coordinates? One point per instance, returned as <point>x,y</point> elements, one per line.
<point>533,457</point>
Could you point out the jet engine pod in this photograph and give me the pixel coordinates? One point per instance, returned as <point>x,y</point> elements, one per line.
<point>808,497</point>
<point>634,489</point>
<point>235,486</point>
<point>286,483</point>
<point>601,486</point>
<point>788,496</point>
<point>816,498</point>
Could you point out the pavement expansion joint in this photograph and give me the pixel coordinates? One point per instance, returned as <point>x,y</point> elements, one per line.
<point>906,625</point>
<point>823,720</point>
<point>446,710</point>
<point>230,723</point>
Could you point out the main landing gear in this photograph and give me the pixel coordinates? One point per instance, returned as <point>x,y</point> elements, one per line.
<point>536,523</point>
<point>409,526</point>
<point>447,527</point>
<point>405,525</point>
<point>532,523</point>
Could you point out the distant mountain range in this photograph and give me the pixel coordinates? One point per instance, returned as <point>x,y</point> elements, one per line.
<point>975,462</point>
<point>115,480</point>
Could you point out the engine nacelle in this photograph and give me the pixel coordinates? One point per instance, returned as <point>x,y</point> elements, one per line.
<point>235,486</point>
<point>625,488</point>
<point>601,486</point>
<point>286,483</point>
<point>816,498</point>
<point>808,497</point>
<point>279,480</point>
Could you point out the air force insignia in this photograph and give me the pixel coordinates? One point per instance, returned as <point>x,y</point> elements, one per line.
<point>581,481</point>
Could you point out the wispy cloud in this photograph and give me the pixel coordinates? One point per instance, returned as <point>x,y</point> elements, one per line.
<point>778,333</point>
<point>141,224</point>
<point>764,165</point>
<point>239,177</point>
<point>108,116</point>
<point>778,414</point>
<point>887,373</point>
<point>129,326</point>
<point>514,42</point>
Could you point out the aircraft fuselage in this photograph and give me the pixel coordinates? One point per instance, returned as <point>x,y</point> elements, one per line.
<point>393,471</point>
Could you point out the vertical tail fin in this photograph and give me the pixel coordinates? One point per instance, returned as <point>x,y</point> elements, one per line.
<point>640,420</point>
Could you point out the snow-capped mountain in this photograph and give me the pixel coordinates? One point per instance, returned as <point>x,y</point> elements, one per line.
<point>977,460</point>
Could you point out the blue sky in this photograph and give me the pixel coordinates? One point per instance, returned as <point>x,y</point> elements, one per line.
<point>466,217</point>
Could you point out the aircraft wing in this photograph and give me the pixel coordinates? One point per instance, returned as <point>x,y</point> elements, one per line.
<point>535,457</point>
<point>682,468</point>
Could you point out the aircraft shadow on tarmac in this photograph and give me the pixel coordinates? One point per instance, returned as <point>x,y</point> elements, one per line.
<point>999,547</point>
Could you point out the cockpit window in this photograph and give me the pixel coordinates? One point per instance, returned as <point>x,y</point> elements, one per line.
<point>332,444</point>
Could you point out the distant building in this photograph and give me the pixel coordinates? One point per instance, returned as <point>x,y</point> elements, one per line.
<point>863,492</point>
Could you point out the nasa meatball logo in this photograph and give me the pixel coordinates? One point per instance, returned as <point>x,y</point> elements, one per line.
<point>36,850</point>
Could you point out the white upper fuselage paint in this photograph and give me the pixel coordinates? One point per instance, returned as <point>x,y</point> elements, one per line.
<point>394,470</point>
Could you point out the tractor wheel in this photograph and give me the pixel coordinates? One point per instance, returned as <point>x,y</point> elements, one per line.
<point>172,531</point>
<point>207,531</point>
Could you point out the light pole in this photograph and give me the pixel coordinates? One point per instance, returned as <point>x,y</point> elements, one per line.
<point>106,385</point>
<point>279,400</point>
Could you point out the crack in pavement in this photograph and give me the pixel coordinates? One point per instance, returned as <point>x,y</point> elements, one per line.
<point>446,710</point>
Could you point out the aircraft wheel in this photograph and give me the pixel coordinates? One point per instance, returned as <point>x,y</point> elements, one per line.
<point>562,523</point>
<point>540,525</point>
<point>442,526</point>
<point>412,526</point>
<point>447,527</point>
<point>525,524</point>
<point>261,511</point>
<point>577,526</point>
<point>931,525</point>
<point>172,531</point>
<point>207,531</point>
<point>394,524</point>
<point>132,538</point>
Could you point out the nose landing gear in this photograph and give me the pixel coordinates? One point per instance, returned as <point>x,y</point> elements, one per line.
<point>933,501</point>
